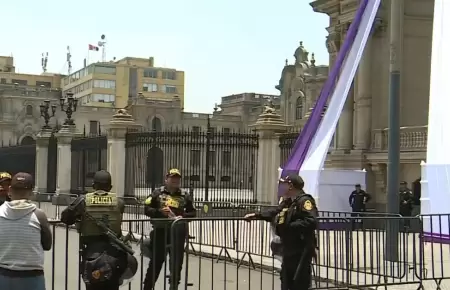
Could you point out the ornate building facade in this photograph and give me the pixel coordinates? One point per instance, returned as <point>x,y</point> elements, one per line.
<point>362,132</point>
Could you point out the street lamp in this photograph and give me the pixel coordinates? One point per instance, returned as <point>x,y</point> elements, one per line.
<point>71,107</point>
<point>209,136</point>
<point>46,114</point>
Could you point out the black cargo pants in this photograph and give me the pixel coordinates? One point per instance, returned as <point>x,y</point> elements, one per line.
<point>162,242</point>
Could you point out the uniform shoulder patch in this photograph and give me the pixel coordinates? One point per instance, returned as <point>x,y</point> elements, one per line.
<point>307,205</point>
<point>148,201</point>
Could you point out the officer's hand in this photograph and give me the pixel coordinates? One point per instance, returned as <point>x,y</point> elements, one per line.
<point>166,211</point>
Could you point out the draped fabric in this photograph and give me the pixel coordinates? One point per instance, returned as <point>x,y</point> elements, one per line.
<point>311,147</point>
<point>436,171</point>
<point>317,152</point>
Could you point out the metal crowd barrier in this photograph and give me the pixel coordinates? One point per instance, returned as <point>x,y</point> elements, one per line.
<point>347,258</point>
<point>349,255</point>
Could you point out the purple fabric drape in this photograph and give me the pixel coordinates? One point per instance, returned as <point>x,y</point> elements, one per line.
<point>301,146</point>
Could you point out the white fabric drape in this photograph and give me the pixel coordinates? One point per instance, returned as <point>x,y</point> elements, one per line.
<point>311,168</point>
<point>436,171</point>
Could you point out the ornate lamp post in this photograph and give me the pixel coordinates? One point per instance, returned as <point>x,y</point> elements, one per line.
<point>46,114</point>
<point>69,106</point>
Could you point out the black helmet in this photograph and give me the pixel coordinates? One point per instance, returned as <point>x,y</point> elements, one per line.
<point>130,271</point>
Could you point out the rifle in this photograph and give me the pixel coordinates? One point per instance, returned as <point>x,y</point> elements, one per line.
<point>106,230</point>
<point>110,234</point>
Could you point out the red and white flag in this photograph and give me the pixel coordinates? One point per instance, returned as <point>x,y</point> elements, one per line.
<point>93,47</point>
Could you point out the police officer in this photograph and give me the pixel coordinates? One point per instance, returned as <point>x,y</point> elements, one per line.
<point>5,182</point>
<point>406,202</point>
<point>105,264</point>
<point>167,202</point>
<point>296,223</point>
<point>358,200</point>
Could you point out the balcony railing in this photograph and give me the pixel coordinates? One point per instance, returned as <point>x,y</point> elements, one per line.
<point>411,139</point>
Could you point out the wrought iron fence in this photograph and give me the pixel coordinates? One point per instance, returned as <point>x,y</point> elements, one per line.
<point>89,154</point>
<point>287,142</point>
<point>216,166</point>
<point>52,164</point>
<point>19,158</point>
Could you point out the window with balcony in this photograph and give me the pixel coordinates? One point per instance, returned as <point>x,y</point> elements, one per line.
<point>168,89</point>
<point>101,69</point>
<point>169,75</point>
<point>299,105</point>
<point>150,73</point>
<point>102,98</point>
<point>44,84</point>
<point>20,82</point>
<point>106,84</point>
<point>150,87</point>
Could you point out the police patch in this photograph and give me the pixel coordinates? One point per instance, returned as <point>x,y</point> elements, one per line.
<point>96,274</point>
<point>308,205</point>
<point>148,201</point>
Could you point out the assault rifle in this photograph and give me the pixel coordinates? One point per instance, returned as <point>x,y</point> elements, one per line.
<point>105,229</point>
<point>110,234</point>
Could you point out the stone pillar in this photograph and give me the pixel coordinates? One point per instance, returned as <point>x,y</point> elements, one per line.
<point>344,131</point>
<point>363,100</point>
<point>116,130</point>
<point>267,126</point>
<point>42,141</point>
<point>379,195</point>
<point>64,167</point>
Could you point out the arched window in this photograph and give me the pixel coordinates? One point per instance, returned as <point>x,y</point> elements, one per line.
<point>299,108</point>
<point>156,124</point>
<point>29,110</point>
<point>27,140</point>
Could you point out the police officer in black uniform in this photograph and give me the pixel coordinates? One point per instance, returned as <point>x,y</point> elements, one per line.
<point>5,182</point>
<point>295,223</point>
<point>167,202</point>
<point>406,202</point>
<point>105,265</point>
<point>358,200</point>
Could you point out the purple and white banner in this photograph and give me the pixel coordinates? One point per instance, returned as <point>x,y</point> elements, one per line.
<point>310,150</point>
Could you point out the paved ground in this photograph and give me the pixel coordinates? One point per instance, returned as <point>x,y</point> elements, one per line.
<point>204,273</point>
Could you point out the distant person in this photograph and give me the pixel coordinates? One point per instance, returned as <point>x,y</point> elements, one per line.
<point>5,182</point>
<point>24,236</point>
<point>357,201</point>
<point>406,202</point>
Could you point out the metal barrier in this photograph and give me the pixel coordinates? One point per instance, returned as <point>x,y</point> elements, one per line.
<point>347,259</point>
<point>348,255</point>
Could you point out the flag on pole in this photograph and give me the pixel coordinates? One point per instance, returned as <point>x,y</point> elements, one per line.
<point>93,47</point>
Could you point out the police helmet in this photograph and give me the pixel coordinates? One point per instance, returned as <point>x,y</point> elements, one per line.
<point>130,271</point>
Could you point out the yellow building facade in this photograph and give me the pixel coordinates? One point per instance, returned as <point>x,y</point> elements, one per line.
<point>8,75</point>
<point>112,84</point>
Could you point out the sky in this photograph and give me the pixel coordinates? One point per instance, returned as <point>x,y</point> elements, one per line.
<point>224,46</point>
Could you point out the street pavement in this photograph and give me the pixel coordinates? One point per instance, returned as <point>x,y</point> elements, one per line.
<point>61,270</point>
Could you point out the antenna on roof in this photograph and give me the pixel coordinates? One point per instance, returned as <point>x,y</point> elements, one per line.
<point>102,44</point>
<point>44,61</point>
<point>69,62</point>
